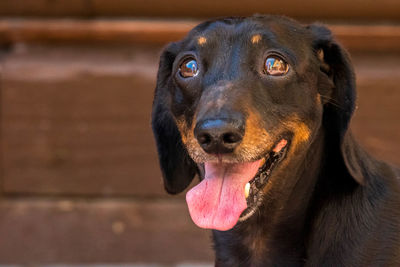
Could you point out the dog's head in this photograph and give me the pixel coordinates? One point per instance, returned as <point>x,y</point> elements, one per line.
<point>236,100</point>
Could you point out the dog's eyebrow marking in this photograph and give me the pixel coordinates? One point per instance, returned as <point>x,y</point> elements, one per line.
<point>256,38</point>
<point>202,40</point>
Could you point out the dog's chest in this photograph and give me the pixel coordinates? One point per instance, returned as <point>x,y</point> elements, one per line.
<point>254,248</point>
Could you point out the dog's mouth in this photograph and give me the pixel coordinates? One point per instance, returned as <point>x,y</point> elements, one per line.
<point>232,192</point>
<point>254,189</point>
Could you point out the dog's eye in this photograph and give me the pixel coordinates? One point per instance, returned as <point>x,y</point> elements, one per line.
<point>275,66</point>
<point>188,68</point>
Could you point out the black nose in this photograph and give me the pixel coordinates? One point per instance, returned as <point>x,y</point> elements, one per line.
<point>219,136</point>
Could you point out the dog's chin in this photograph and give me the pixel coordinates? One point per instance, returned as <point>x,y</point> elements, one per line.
<point>232,192</point>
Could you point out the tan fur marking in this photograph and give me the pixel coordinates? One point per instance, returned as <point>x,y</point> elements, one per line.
<point>255,39</point>
<point>303,132</point>
<point>300,129</point>
<point>319,99</point>
<point>182,129</point>
<point>256,139</point>
<point>189,140</point>
<point>320,54</point>
<point>202,40</point>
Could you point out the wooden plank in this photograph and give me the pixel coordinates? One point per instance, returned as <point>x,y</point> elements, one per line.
<point>367,38</point>
<point>115,31</point>
<point>384,38</point>
<point>82,132</point>
<point>313,9</point>
<point>376,123</point>
<point>1,132</point>
<point>310,9</point>
<point>88,136</point>
<point>45,8</point>
<point>45,231</point>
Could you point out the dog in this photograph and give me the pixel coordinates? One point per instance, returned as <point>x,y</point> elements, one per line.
<point>259,109</point>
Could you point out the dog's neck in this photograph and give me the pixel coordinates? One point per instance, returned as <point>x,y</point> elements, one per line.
<point>277,233</point>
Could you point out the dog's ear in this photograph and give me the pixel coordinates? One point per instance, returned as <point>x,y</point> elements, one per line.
<point>177,168</point>
<point>338,93</point>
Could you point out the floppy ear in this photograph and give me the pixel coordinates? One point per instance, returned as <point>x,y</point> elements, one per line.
<point>177,168</point>
<point>340,98</point>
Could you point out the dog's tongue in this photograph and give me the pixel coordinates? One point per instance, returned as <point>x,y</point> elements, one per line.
<point>218,201</point>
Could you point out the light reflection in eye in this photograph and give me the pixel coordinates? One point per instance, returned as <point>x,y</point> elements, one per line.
<point>275,66</point>
<point>192,65</point>
<point>188,68</point>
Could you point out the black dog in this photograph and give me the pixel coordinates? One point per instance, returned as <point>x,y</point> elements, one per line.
<point>259,108</point>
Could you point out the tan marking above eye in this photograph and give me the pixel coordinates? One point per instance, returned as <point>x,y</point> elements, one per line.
<point>255,38</point>
<point>202,40</point>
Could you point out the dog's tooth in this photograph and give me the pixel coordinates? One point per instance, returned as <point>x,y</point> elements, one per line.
<point>247,190</point>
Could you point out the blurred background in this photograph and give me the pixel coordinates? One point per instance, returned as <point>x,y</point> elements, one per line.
<point>79,177</point>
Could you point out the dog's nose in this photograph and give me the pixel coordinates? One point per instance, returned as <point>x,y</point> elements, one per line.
<point>219,136</point>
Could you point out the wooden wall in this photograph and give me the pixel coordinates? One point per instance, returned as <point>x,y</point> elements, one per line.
<point>79,177</point>
<point>356,10</point>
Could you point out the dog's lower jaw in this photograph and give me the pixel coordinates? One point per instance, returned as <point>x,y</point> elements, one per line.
<point>276,232</point>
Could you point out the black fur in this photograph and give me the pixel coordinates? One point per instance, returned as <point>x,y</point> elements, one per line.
<point>177,168</point>
<point>339,206</point>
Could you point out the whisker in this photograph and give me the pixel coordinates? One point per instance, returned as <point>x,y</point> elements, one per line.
<point>332,101</point>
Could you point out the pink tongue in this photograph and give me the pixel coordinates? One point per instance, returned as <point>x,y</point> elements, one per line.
<point>218,201</point>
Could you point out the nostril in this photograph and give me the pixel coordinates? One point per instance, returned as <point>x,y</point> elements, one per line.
<point>204,138</point>
<point>231,138</point>
<point>219,136</point>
